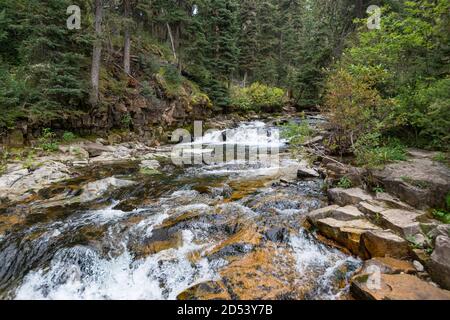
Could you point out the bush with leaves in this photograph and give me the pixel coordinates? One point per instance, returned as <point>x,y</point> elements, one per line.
<point>258,97</point>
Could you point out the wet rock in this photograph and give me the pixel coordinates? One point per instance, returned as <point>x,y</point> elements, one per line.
<point>97,189</point>
<point>346,233</point>
<point>150,165</point>
<point>211,290</point>
<point>439,265</point>
<point>125,206</point>
<point>395,287</point>
<point>263,274</point>
<point>420,182</point>
<point>388,265</point>
<point>277,234</point>
<point>381,243</point>
<point>307,173</point>
<point>400,221</point>
<point>96,149</point>
<point>161,240</point>
<point>351,196</point>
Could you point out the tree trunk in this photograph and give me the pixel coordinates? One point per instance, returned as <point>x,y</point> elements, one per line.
<point>127,38</point>
<point>97,52</point>
<point>169,30</point>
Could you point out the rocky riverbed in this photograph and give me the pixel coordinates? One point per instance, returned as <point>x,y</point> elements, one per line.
<point>122,221</point>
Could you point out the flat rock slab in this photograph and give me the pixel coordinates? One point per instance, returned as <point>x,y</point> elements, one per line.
<point>395,287</point>
<point>304,172</point>
<point>346,233</point>
<point>321,213</point>
<point>420,182</point>
<point>344,197</point>
<point>384,243</point>
<point>401,221</point>
<point>347,213</point>
<point>388,265</point>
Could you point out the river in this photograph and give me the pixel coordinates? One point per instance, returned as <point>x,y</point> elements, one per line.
<point>228,230</point>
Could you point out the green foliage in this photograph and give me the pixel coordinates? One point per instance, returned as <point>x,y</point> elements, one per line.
<point>442,215</point>
<point>42,64</point>
<point>127,121</point>
<point>345,183</point>
<point>47,140</point>
<point>258,97</point>
<point>394,82</point>
<point>296,133</point>
<point>68,137</point>
<point>371,151</point>
<point>378,189</point>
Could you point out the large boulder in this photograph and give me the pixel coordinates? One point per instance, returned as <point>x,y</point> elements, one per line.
<point>439,265</point>
<point>346,233</point>
<point>395,287</point>
<point>344,197</point>
<point>420,181</point>
<point>384,243</point>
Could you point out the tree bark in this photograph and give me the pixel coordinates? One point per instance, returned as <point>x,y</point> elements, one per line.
<point>127,38</point>
<point>96,53</point>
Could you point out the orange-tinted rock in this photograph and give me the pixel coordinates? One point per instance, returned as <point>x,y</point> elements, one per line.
<point>211,290</point>
<point>395,287</point>
<point>346,233</point>
<point>381,243</point>
<point>389,266</point>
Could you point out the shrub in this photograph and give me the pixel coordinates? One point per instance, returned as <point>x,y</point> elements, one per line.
<point>126,121</point>
<point>371,151</point>
<point>68,136</point>
<point>296,133</point>
<point>355,108</point>
<point>442,215</point>
<point>345,183</point>
<point>48,141</point>
<point>258,97</point>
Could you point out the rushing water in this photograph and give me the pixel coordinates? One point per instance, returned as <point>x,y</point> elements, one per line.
<point>230,223</point>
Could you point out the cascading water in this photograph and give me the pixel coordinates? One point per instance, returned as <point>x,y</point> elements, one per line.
<point>212,223</point>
